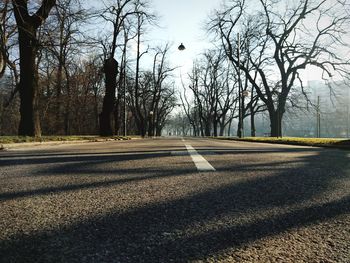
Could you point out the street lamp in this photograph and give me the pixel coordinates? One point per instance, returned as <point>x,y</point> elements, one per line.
<point>318,118</point>
<point>125,112</point>
<point>181,47</point>
<point>245,93</point>
<point>150,123</point>
<point>240,93</point>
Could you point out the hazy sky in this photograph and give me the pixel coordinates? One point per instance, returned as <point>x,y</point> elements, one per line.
<point>183,21</point>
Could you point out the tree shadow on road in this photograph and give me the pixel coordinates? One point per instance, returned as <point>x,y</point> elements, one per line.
<point>202,224</point>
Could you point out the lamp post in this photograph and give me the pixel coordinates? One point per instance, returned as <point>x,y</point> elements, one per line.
<point>240,95</point>
<point>125,112</point>
<point>150,123</point>
<point>181,47</point>
<point>347,113</point>
<point>318,118</point>
<point>245,93</point>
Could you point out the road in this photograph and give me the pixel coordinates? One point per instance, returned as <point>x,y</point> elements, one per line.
<point>156,200</point>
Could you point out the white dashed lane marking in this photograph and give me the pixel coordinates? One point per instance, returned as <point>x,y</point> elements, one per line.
<point>202,164</point>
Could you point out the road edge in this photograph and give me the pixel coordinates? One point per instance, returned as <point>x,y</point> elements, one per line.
<point>296,143</point>
<point>8,146</point>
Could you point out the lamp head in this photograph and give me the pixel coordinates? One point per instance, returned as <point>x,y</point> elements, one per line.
<point>181,47</point>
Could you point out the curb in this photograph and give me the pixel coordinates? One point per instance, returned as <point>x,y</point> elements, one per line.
<point>8,146</point>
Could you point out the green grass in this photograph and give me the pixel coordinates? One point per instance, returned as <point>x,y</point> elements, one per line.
<point>22,139</point>
<point>328,142</point>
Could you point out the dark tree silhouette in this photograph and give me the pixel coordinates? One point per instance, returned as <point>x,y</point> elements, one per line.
<point>116,15</point>
<point>28,45</point>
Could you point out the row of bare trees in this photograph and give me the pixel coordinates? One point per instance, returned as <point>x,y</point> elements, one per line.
<point>262,49</point>
<point>214,87</point>
<point>272,42</point>
<point>73,78</point>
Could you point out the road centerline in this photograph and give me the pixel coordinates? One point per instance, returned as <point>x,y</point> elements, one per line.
<point>201,163</point>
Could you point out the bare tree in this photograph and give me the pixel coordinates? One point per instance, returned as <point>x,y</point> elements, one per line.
<point>116,14</point>
<point>154,98</point>
<point>228,103</point>
<point>120,107</point>
<point>8,43</point>
<point>28,25</point>
<point>143,18</point>
<point>284,41</point>
<point>166,104</point>
<point>4,17</point>
<point>193,109</point>
<point>213,85</point>
<point>94,75</point>
<point>122,15</point>
<point>62,39</point>
<point>161,93</point>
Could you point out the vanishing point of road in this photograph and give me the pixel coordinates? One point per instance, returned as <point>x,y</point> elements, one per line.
<point>174,200</point>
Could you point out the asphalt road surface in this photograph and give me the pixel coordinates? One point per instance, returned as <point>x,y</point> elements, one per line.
<point>174,200</point>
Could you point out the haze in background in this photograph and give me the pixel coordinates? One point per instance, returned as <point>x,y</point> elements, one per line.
<point>183,21</point>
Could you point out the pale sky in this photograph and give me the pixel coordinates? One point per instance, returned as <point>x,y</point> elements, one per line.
<point>180,21</point>
<point>183,21</point>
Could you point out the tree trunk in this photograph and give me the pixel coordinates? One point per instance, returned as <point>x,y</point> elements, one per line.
<point>118,110</point>
<point>229,128</point>
<point>143,128</point>
<point>96,112</point>
<point>239,129</point>
<point>67,127</point>
<point>159,131</point>
<point>151,126</point>
<point>67,110</point>
<point>207,128</point>
<point>2,61</point>
<point>111,71</point>
<point>28,86</point>
<point>140,123</point>
<point>222,129</point>
<point>117,115</point>
<point>57,108</point>
<point>27,25</point>
<point>215,128</point>
<point>252,123</point>
<point>275,123</point>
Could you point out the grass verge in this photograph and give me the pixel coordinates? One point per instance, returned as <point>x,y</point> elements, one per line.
<point>22,139</point>
<point>319,142</point>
